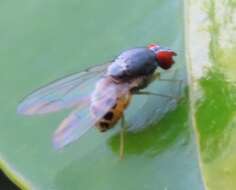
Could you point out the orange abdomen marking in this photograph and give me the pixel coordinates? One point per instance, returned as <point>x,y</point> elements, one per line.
<point>108,94</point>
<point>113,115</point>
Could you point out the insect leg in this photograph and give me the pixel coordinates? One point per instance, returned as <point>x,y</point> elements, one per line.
<point>179,81</point>
<point>157,94</point>
<point>171,80</point>
<point>122,136</point>
<point>157,76</point>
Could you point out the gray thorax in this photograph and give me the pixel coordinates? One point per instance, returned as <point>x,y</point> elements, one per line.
<point>133,63</point>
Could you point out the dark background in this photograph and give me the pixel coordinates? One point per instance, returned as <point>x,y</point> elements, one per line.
<point>6,184</point>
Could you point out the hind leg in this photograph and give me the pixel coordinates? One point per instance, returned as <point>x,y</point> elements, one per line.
<point>122,136</point>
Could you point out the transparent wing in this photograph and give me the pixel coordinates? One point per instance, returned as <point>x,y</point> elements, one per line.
<point>82,119</point>
<point>63,93</point>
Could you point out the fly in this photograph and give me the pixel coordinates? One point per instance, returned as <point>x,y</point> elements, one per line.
<point>100,94</point>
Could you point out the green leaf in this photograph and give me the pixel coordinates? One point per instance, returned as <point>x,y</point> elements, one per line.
<point>213,90</point>
<point>189,145</point>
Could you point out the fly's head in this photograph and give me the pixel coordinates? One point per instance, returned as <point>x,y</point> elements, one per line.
<point>164,56</point>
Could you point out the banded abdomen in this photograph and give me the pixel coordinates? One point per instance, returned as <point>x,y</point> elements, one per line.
<point>111,99</point>
<point>113,115</point>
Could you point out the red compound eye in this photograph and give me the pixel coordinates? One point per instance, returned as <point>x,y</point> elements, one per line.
<point>165,58</point>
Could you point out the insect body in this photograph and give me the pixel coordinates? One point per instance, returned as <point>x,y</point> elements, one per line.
<point>133,67</point>
<point>100,95</point>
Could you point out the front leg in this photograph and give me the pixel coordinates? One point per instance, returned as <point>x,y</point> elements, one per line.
<point>157,76</point>
<point>177,98</point>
